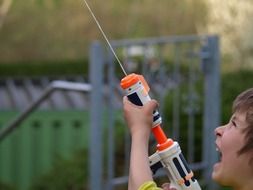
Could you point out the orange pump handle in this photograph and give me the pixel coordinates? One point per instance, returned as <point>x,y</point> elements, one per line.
<point>132,79</point>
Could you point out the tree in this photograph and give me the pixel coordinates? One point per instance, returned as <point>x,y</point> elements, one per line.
<point>231,20</point>
<point>64,29</point>
<point>4,9</point>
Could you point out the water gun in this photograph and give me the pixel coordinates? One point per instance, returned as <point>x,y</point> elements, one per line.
<point>168,154</point>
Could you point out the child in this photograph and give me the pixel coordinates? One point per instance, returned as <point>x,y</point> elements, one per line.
<point>234,143</point>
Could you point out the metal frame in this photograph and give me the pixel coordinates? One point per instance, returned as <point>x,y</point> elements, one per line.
<point>210,62</point>
<point>55,85</point>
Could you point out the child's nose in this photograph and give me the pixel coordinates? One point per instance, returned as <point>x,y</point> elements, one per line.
<point>219,130</point>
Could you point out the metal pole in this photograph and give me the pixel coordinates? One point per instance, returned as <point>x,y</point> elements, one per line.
<point>111,120</point>
<point>211,66</point>
<point>96,80</point>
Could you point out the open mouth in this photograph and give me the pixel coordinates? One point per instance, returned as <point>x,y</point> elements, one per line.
<point>219,153</point>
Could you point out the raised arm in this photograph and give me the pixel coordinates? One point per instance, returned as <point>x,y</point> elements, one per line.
<point>139,121</point>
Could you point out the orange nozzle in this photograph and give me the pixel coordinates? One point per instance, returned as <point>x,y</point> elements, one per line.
<point>129,80</point>
<point>132,79</point>
<point>162,140</point>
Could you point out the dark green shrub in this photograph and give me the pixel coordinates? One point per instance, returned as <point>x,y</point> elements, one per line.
<point>66,174</point>
<point>45,68</point>
<point>6,186</point>
<point>231,85</point>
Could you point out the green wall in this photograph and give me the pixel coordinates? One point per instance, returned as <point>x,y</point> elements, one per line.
<point>32,148</point>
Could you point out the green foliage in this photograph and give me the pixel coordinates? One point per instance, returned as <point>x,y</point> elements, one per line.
<point>5,186</point>
<point>43,3</point>
<point>226,188</point>
<point>48,68</point>
<point>64,29</point>
<point>232,84</point>
<point>184,118</point>
<point>66,174</point>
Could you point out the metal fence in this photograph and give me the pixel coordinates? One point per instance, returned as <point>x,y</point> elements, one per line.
<point>183,73</point>
<point>35,131</point>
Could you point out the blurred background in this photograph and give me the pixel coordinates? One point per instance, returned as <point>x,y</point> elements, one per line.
<point>46,40</point>
<point>44,30</point>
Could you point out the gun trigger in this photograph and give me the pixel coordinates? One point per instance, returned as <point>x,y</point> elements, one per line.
<point>156,167</point>
<point>155,163</point>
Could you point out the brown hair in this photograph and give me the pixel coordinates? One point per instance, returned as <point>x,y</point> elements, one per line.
<point>244,104</point>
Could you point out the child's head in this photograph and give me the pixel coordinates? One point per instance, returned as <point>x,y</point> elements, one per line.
<point>244,104</point>
<point>234,141</point>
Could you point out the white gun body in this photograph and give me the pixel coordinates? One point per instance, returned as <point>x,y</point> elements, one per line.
<point>176,167</point>
<point>168,154</point>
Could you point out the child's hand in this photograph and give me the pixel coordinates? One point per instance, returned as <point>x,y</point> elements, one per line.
<point>139,118</point>
<point>166,186</point>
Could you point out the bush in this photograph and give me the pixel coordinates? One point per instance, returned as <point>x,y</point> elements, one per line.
<point>45,68</point>
<point>5,186</point>
<point>233,84</point>
<point>66,174</point>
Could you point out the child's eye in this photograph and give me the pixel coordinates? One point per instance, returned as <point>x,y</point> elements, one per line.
<point>231,124</point>
<point>234,124</point>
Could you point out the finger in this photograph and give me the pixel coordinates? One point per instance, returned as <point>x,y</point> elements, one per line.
<point>125,99</point>
<point>151,105</point>
<point>166,186</point>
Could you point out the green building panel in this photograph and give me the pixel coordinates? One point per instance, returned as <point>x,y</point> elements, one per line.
<point>44,136</point>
